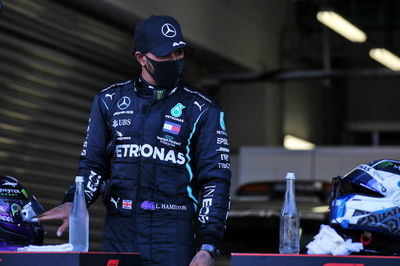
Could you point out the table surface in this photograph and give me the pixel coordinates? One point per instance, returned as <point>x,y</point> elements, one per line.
<point>68,258</point>
<point>311,260</point>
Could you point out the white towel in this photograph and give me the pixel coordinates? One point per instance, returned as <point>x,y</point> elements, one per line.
<point>328,241</point>
<point>49,248</point>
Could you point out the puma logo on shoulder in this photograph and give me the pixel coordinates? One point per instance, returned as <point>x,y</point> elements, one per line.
<point>200,106</point>
<point>110,95</point>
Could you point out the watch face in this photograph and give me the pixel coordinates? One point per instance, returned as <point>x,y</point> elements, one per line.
<point>211,249</point>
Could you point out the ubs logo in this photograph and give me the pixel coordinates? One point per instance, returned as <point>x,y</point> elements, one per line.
<point>121,122</point>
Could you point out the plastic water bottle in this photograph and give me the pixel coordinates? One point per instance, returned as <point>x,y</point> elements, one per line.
<point>79,220</point>
<point>289,239</point>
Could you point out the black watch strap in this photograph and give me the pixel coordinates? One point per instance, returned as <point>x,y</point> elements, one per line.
<point>214,252</point>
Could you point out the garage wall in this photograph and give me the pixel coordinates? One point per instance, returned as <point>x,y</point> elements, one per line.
<point>53,62</point>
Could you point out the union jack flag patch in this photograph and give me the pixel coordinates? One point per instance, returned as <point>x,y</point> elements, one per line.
<point>127,204</point>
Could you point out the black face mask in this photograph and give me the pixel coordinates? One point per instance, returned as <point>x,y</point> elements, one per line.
<point>166,73</point>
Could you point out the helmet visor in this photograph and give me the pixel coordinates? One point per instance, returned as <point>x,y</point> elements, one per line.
<point>364,176</point>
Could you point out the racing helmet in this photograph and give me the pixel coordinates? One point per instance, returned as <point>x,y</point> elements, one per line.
<point>17,210</point>
<point>365,206</point>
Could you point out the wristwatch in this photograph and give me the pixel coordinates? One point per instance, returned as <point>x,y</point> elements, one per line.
<point>214,252</point>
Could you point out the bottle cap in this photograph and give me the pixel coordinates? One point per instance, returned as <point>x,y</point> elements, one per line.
<point>79,179</point>
<point>290,176</point>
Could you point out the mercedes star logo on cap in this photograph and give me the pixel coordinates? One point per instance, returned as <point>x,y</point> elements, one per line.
<point>168,30</point>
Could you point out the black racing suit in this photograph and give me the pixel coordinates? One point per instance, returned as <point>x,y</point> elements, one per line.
<point>164,156</point>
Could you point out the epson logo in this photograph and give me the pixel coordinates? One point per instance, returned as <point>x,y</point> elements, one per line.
<point>146,150</point>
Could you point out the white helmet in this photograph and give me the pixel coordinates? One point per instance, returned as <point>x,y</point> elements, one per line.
<point>365,205</point>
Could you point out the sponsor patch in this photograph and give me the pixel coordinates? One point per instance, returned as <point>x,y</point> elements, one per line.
<point>221,120</point>
<point>92,184</point>
<point>208,194</point>
<point>9,192</point>
<point>124,103</point>
<point>222,149</point>
<point>130,112</point>
<point>220,132</point>
<point>171,128</point>
<point>121,122</point>
<point>120,136</point>
<point>176,111</point>
<point>169,141</point>
<point>180,120</point>
<point>148,205</point>
<point>146,150</point>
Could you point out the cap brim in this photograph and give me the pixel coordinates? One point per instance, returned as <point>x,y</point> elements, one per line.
<point>168,48</point>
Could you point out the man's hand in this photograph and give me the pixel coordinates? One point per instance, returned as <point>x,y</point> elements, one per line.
<point>202,258</point>
<point>60,212</point>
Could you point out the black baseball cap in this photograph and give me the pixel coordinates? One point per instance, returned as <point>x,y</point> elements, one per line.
<point>159,35</point>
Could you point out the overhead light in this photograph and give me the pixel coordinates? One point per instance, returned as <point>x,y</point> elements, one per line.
<point>339,24</point>
<point>294,143</point>
<point>320,209</point>
<point>386,58</point>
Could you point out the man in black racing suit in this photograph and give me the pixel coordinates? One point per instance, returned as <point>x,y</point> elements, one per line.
<point>160,150</point>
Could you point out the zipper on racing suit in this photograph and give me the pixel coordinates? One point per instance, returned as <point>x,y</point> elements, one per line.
<point>150,102</point>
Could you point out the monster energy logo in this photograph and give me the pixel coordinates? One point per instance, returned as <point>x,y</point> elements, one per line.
<point>25,193</point>
<point>159,94</point>
<point>385,164</point>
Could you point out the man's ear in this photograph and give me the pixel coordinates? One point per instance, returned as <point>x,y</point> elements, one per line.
<point>140,58</point>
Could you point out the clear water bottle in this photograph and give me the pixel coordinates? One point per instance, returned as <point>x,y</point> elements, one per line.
<point>79,219</point>
<point>289,238</point>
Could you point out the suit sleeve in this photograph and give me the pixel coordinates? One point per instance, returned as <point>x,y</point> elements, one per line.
<point>94,159</point>
<point>213,175</point>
